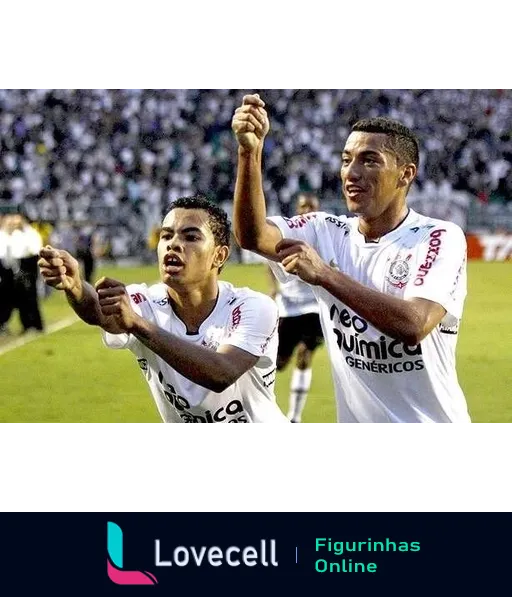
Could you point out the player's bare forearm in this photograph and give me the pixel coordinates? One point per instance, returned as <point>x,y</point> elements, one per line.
<point>250,226</point>
<point>83,299</point>
<point>406,320</point>
<point>200,365</point>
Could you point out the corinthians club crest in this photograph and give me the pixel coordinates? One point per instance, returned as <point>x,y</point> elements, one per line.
<point>399,272</point>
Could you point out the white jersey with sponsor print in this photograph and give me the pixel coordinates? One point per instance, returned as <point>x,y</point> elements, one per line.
<point>377,378</point>
<point>241,318</point>
<point>295,297</point>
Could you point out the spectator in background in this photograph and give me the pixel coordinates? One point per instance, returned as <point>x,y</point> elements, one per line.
<point>7,298</point>
<point>64,236</point>
<point>19,249</point>
<point>118,157</point>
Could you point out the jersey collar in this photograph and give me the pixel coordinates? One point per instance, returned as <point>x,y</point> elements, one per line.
<point>388,238</point>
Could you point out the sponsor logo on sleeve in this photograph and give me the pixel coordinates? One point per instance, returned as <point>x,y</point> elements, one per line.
<point>434,246</point>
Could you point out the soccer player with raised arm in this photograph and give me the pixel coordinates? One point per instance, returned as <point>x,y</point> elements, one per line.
<point>390,282</point>
<point>206,349</point>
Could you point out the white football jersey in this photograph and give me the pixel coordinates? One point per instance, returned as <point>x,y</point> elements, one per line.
<point>241,318</point>
<point>376,378</point>
<point>295,297</point>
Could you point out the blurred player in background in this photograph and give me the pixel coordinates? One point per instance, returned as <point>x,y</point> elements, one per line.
<point>391,283</point>
<point>206,349</point>
<point>86,249</point>
<point>299,325</point>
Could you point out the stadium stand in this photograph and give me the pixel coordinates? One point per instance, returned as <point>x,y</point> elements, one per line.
<point>116,158</point>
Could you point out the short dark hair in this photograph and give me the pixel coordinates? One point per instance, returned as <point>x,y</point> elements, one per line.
<point>401,140</point>
<point>217,220</point>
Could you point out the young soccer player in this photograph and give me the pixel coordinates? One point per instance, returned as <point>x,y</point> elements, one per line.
<point>206,349</point>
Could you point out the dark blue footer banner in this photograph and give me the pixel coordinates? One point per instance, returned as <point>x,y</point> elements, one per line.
<point>238,554</point>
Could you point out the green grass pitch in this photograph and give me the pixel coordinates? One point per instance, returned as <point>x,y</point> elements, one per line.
<point>68,376</point>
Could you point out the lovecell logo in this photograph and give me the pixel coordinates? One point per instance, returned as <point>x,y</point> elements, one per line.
<point>115,561</point>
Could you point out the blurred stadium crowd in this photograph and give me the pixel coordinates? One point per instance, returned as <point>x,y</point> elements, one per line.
<point>114,159</point>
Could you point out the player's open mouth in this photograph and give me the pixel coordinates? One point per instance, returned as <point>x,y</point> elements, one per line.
<point>173,264</point>
<point>354,191</point>
<point>173,269</point>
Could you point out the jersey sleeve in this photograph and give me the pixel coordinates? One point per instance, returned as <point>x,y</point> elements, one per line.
<point>299,228</point>
<point>439,273</point>
<point>138,296</point>
<point>253,328</point>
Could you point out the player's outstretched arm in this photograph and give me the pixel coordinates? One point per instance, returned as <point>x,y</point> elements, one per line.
<point>409,321</point>
<point>215,371</point>
<point>252,231</point>
<point>61,271</point>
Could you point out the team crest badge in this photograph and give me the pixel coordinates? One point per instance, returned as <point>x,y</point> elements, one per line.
<point>399,272</point>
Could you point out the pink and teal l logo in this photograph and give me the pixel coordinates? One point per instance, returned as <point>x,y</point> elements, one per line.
<point>115,561</point>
